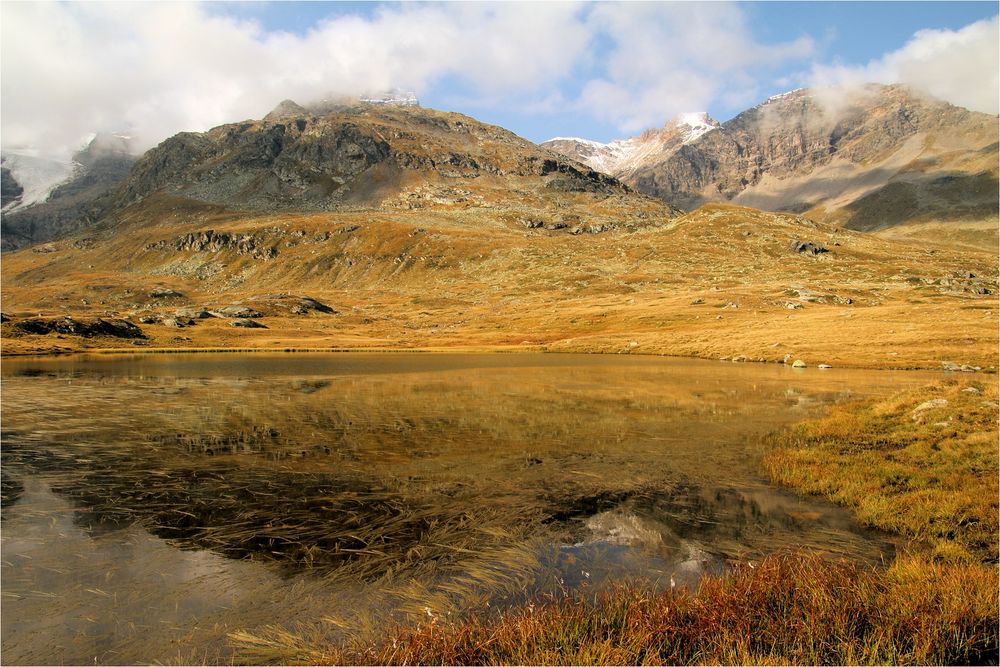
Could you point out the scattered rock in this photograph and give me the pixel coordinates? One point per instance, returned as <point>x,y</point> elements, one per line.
<point>48,247</point>
<point>192,313</point>
<point>237,311</point>
<point>697,302</point>
<point>808,247</point>
<point>86,328</point>
<point>247,324</point>
<point>932,404</point>
<point>791,305</point>
<point>149,319</point>
<point>799,364</point>
<point>164,293</point>
<point>971,390</point>
<point>824,366</point>
<point>4,318</point>
<point>212,241</point>
<point>787,358</point>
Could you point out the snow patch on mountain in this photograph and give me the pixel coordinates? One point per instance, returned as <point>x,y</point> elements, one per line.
<point>39,176</point>
<point>622,156</point>
<point>697,124</point>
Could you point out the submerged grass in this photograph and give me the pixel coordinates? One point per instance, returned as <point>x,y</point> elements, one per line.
<point>921,464</point>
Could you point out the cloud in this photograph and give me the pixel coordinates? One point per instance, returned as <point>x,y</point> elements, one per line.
<point>154,69</point>
<point>958,66</point>
<point>670,58</point>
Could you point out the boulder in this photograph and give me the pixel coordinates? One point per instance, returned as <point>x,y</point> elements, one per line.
<point>799,364</point>
<point>247,324</point>
<point>164,293</point>
<point>192,313</point>
<point>807,247</point>
<point>237,311</point>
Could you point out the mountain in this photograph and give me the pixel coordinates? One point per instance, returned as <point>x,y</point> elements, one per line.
<point>358,155</point>
<point>56,198</point>
<point>390,226</point>
<point>622,157</point>
<point>874,159</point>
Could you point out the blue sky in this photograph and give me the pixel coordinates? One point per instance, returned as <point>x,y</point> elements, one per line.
<point>596,70</point>
<point>842,33</point>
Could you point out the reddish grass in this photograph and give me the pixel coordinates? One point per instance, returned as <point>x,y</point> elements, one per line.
<point>785,610</point>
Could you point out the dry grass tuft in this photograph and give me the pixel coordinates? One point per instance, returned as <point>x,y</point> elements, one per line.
<point>786,610</point>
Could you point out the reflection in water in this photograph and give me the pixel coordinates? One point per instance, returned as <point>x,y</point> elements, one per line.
<point>339,485</point>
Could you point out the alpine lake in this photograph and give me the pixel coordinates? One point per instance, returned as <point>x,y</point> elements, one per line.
<point>155,504</point>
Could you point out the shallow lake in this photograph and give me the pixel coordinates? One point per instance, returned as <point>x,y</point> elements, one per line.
<point>153,504</point>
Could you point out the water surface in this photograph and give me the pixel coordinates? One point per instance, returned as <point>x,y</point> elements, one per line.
<point>154,503</point>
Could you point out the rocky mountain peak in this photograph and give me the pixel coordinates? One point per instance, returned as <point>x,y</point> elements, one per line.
<point>286,109</point>
<point>871,155</point>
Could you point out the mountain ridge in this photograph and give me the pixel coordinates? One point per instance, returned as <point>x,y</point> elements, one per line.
<point>810,152</point>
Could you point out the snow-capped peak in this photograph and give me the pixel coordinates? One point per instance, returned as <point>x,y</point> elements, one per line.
<point>624,155</point>
<point>780,96</point>
<point>578,140</point>
<point>697,124</point>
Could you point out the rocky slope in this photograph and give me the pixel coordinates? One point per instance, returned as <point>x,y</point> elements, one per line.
<point>872,159</point>
<point>360,155</point>
<point>77,198</point>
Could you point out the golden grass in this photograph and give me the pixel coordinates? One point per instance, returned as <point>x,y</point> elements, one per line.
<point>465,276</point>
<point>922,464</point>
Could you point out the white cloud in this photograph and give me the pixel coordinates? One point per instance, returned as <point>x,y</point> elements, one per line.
<point>958,66</point>
<point>670,58</point>
<point>155,69</point>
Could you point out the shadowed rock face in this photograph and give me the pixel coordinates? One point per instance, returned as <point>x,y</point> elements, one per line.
<point>10,189</point>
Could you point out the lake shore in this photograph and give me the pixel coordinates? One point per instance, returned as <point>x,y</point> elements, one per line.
<point>17,348</point>
<point>920,464</point>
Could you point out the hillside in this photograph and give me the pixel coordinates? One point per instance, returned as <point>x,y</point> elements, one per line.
<point>400,227</point>
<point>876,159</point>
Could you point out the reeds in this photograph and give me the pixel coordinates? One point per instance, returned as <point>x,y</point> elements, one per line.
<point>786,609</point>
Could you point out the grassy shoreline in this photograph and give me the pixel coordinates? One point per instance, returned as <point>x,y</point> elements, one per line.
<point>920,464</point>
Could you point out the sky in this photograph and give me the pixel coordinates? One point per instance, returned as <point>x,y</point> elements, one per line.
<point>600,70</point>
